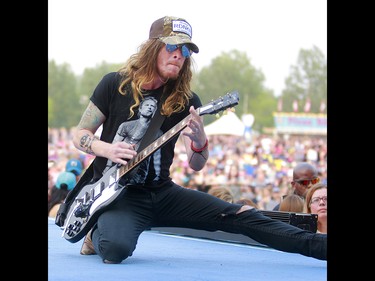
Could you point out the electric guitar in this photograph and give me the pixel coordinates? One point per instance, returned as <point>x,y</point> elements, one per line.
<point>93,198</point>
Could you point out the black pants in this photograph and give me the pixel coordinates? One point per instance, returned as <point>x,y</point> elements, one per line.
<point>117,230</point>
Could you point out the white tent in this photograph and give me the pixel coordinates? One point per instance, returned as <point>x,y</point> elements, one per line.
<point>227,124</point>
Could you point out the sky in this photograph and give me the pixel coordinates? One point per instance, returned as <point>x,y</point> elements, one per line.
<point>84,33</point>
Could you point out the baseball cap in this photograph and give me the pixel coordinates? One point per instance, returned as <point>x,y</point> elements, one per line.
<point>67,178</point>
<point>74,166</point>
<point>174,31</point>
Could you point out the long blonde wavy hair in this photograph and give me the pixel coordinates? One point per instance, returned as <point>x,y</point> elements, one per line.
<point>141,68</point>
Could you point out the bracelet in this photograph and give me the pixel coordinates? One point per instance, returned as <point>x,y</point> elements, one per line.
<point>200,149</point>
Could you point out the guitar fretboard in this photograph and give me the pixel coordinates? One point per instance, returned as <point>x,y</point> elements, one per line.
<point>155,145</point>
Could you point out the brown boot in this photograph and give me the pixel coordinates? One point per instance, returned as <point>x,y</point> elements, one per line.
<point>87,246</point>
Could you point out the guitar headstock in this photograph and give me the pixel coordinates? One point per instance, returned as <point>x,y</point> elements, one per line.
<point>229,100</point>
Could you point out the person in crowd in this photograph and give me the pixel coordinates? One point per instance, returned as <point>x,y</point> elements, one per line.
<point>51,181</point>
<point>292,203</point>
<point>64,183</point>
<point>247,201</point>
<point>162,68</point>
<point>222,192</point>
<point>316,203</point>
<point>304,176</point>
<point>74,166</point>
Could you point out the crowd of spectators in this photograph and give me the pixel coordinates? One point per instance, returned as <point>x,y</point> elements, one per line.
<point>259,169</point>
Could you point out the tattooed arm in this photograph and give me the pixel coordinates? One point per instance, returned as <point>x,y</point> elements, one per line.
<point>91,120</point>
<point>85,140</point>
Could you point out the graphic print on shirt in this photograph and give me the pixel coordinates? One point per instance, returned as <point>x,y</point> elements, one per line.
<point>132,132</point>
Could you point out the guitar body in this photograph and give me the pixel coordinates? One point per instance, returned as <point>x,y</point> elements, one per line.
<point>90,202</point>
<point>93,198</point>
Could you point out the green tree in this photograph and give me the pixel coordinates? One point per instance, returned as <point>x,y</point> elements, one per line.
<point>50,110</point>
<point>62,96</point>
<point>68,94</point>
<point>307,81</point>
<point>233,71</point>
<point>90,79</point>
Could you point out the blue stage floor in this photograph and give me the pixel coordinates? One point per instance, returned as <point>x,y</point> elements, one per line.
<point>179,258</point>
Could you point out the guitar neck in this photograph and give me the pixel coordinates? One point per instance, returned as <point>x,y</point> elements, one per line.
<point>155,145</point>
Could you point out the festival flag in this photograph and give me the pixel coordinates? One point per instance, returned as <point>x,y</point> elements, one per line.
<point>307,105</point>
<point>322,106</point>
<point>295,106</point>
<point>280,105</point>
